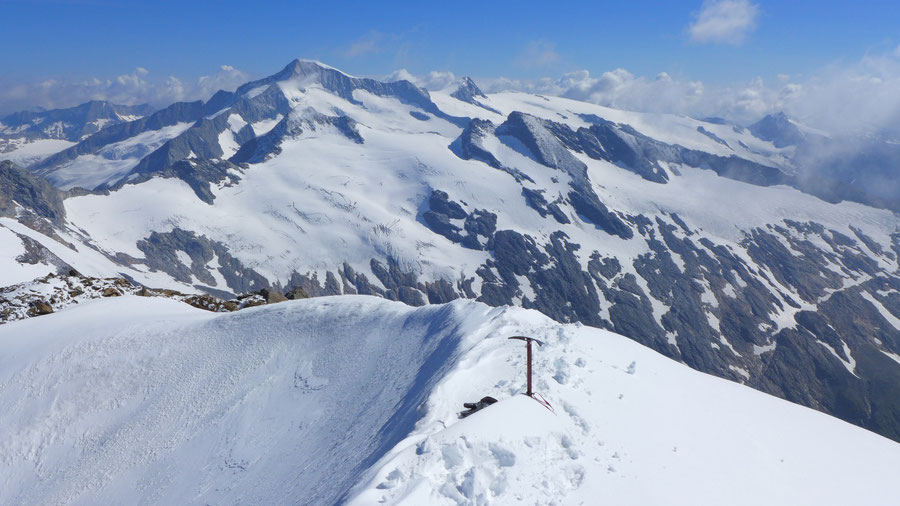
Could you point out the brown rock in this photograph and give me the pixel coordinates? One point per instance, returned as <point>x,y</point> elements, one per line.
<point>272,296</point>
<point>111,292</point>
<point>297,293</point>
<point>252,301</point>
<point>38,308</point>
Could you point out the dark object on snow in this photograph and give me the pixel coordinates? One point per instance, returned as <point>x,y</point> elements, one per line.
<point>472,407</point>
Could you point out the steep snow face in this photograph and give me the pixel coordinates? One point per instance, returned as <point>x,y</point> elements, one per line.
<point>354,398</point>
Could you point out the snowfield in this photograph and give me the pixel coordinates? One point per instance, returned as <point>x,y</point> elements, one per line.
<point>353,399</point>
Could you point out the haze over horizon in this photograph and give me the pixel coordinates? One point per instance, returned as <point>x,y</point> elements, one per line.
<point>831,66</point>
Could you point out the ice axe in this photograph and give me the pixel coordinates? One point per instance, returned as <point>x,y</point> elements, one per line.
<point>528,341</point>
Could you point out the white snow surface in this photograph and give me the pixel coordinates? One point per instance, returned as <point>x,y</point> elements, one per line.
<point>25,153</point>
<point>354,399</point>
<point>11,271</point>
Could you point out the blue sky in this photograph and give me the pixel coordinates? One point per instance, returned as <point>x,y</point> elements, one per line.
<point>62,51</point>
<point>107,38</point>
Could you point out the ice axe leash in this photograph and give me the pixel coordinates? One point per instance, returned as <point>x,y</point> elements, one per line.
<point>528,390</point>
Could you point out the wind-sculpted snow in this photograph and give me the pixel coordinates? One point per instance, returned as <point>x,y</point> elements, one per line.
<point>354,400</point>
<point>143,400</point>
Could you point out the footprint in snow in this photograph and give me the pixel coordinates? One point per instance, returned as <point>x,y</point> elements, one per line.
<point>504,456</point>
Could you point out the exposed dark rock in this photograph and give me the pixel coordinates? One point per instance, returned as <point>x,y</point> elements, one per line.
<point>535,200</point>
<point>272,296</point>
<point>540,138</point>
<point>297,293</point>
<point>469,92</point>
<point>39,308</point>
<point>160,252</point>
<point>440,224</point>
<point>37,253</point>
<point>713,136</point>
<point>440,202</point>
<point>34,193</point>
<point>199,174</point>
<point>470,146</point>
<point>778,129</point>
<point>265,146</point>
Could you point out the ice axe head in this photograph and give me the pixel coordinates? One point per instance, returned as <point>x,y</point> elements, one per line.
<point>527,339</point>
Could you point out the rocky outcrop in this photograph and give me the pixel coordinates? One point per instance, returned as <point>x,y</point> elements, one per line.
<point>20,188</point>
<point>53,292</point>
<point>778,129</point>
<point>297,123</point>
<point>161,252</point>
<point>539,137</point>
<point>469,92</point>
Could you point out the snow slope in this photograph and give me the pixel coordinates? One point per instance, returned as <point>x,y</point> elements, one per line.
<point>112,161</point>
<point>353,399</point>
<point>26,153</point>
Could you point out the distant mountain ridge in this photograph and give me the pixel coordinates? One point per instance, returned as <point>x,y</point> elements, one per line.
<point>73,123</point>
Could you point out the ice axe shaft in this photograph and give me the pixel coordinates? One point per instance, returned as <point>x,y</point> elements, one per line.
<point>528,340</point>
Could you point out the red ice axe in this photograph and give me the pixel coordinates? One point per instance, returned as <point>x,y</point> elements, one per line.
<point>528,341</point>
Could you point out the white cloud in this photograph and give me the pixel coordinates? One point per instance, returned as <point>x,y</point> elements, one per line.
<point>434,80</point>
<point>860,97</point>
<point>538,53</point>
<point>135,87</point>
<point>724,21</point>
<point>368,43</point>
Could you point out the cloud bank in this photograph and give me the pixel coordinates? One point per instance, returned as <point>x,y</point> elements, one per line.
<point>862,97</point>
<point>136,87</point>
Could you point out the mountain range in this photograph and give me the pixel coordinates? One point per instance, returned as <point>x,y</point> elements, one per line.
<point>714,244</point>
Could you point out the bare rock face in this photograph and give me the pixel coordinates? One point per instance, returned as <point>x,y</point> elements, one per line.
<point>111,292</point>
<point>272,296</point>
<point>39,307</point>
<point>19,187</point>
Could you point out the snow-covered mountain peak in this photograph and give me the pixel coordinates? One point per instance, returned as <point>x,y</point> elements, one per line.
<point>779,129</point>
<point>468,91</point>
